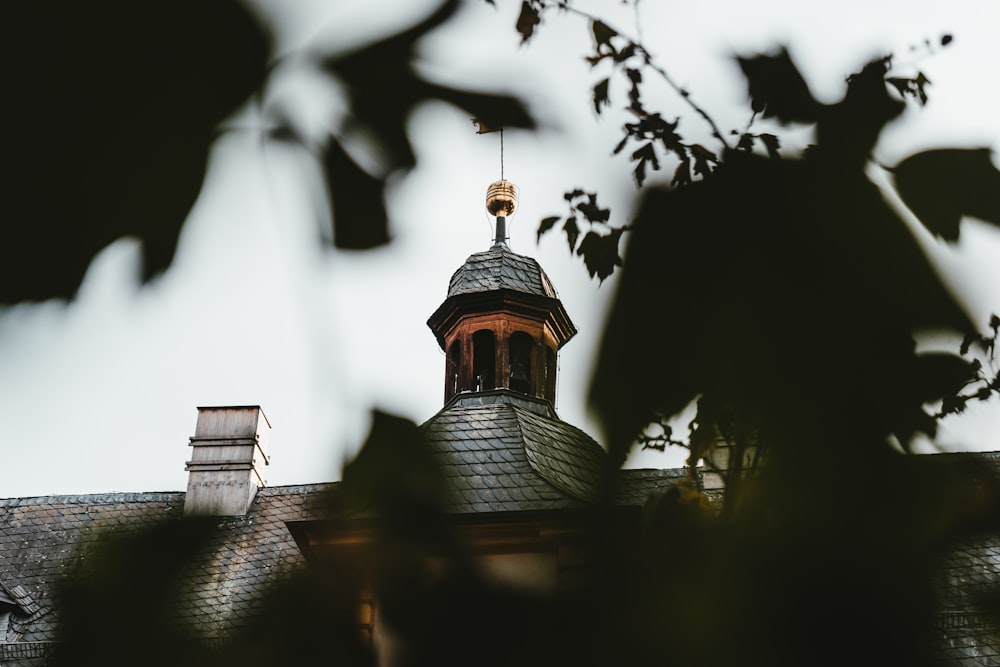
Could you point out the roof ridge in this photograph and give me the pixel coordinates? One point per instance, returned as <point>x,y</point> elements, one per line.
<point>90,498</point>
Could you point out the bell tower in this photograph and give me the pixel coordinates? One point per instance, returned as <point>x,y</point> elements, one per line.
<point>502,323</point>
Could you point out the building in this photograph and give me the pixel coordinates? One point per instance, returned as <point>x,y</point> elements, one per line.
<point>493,533</point>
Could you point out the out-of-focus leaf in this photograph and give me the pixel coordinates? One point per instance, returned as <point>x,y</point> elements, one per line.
<point>572,232</point>
<point>644,154</point>
<point>682,175</point>
<point>526,21</point>
<point>703,159</point>
<point>358,199</point>
<point>113,109</point>
<point>778,90</point>
<point>746,142</point>
<point>771,143</point>
<point>545,225</point>
<point>940,186</point>
<point>602,34</point>
<point>600,253</point>
<point>384,88</point>
<point>601,95</point>
<point>592,211</point>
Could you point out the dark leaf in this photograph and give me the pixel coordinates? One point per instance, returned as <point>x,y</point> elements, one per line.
<point>946,40</point>
<point>682,175</point>
<point>703,159</point>
<point>602,34</point>
<point>777,89</point>
<point>626,53</point>
<point>967,342</point>
<point>592,211</point>
<point>644,154</point>
<point>573,194</point>
<point>940,186</point>
<point>600,253</point>
<point>545,225</point>
<point>746,142</point>
<point>621,145</point>
<point>359,216</point>
<point>994,323</point>
<point>526,21</point>
<point>904,86</point>
<point>113,109</point>
<point>771,143</point>
<point>572,232</point>
<point>601,95</point>
<point>921,82</point>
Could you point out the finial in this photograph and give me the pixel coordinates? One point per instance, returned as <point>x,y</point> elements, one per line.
<point>501,201</point>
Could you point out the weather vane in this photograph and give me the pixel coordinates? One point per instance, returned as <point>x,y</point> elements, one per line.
<point>501,196</point>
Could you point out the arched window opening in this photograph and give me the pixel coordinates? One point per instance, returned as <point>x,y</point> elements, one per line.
<point>550,374</point>
<point>520,362</point>
<point>483,360</point>
<point>454,366</point>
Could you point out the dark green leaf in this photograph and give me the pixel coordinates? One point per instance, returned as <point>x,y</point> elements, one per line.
<point>359,216</point>
<point>682,175</point>
<point>113,109</point>
<point>572,232</point>
<point>644,154</point>
<point>703,159</point>
<point>545,225</point>
<point>946,39</point>
<point>592,211</point>
<point>771,144</point>
<point>778,90</point>
<point>940,186</point>
<point>602,34</point>
<point>746,142</point>
<point>600,253</point>
<point>526,21</point>
<point>601,95</point>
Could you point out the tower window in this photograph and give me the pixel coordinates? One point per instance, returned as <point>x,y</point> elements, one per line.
<point>483,360</point>
<point>520,362</point>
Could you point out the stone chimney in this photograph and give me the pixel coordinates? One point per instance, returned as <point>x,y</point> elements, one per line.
<point>227,462</point>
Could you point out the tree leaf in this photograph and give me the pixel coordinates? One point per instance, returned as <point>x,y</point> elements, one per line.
<point>746,142</point>
<point>771,143</point>
<point>644,154</point>
<point>940,186</point>
<point>600,253</point>
<point>602,34</point>
<point>777,89</point>
<point>358,198</point>
<point>545,225</point>
<point>526,21</point>
<point>592,211</point>
<point>113,109</point>
<point>703,159</point>
<point>601,95</point>
<point>572,232</point>
<point>682,175</point>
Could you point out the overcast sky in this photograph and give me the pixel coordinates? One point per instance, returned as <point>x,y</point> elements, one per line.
<point>101,395</point>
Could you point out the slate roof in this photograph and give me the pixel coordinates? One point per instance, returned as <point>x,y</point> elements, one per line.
<point>45,539</point>
<point>503,452</point>
<point>500,268</point>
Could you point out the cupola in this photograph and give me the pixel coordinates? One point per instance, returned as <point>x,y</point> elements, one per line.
<point>502,323</point>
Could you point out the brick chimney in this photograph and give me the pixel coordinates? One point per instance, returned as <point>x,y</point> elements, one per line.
<point>227,462</point>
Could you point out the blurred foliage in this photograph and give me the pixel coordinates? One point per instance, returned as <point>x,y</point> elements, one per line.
<point>114,106</point>
<point>781,293</point>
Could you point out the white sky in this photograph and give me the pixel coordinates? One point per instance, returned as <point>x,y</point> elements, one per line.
<point>100,396</point>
